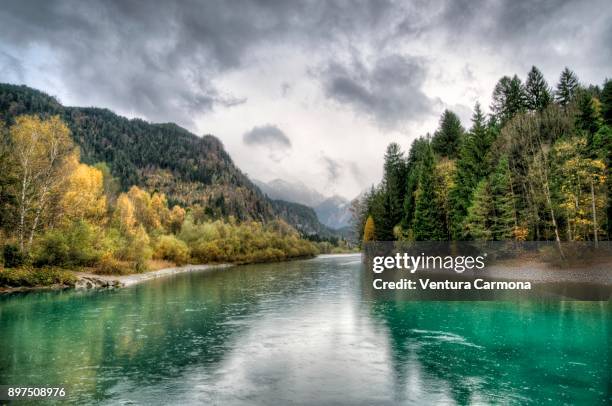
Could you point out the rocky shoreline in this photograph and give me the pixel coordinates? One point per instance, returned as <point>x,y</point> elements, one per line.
<point>94,281</point>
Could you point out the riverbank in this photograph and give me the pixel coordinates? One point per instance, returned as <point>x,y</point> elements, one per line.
<point>86,280</point>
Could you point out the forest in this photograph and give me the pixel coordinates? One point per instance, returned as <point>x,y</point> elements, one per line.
<point>58,213</point>
<point>166,158</point>
<point>536,168</point>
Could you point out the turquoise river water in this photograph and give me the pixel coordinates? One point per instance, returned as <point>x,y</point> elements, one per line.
<point>302,332</point>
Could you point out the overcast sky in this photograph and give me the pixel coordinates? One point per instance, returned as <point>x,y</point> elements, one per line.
<point>310,91</point>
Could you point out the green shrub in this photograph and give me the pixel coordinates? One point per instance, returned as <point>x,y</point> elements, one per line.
<point>13,257</point>
<point>80,244</point>
<point>170,248</point>
<point>35,277</point>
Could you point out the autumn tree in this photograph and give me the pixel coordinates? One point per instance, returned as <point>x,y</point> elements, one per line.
<point>369,230</point>
<point>40,148</point>
<point>83,197</point>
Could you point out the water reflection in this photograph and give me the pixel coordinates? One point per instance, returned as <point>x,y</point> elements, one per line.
<point>302,332</point>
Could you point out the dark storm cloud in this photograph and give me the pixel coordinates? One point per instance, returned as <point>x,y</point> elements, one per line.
<point>267,135</point>
<point>160,59</point>
<point>389,91</point>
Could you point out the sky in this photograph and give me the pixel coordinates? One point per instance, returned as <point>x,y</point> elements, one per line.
<point>309,91</point>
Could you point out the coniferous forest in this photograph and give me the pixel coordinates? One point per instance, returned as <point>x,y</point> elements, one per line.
<point>536,168</point>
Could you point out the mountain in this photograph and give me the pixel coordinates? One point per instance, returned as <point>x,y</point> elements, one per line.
<point>297,192</point>
<point>332,211</point>
<point>190,170</point>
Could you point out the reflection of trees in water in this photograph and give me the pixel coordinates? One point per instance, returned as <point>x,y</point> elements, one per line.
<point>496,351</point>
<point>144,334</point>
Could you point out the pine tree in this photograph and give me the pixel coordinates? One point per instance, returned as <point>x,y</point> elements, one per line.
<point>508,99</point>
<point>504,217</point>
<point>381,207</point>
<point>536,90</point>
<point>413,173</point>
<point>478,222</point>
<point>394,182</point>
<point>428,222</point>
<point>606,103</point>
<point>471,168</point>
<point>447,138</point>
<point>587,119</point>
<point>567,87</point>
<point>369,230</point>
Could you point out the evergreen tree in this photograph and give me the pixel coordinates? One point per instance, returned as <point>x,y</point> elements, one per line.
<point>447,138</point>
<point>471,168</point>
<point>504,218</point>
<point>508,99</point>
<point>606,103</point>
<point>381,207</point>
<point>567,87</point>
<point>587,119</point>
<point>478,222</point>
<point>413,173</point>
<point>428,222</point>
<point>394,182</point>
<point>537,91</point>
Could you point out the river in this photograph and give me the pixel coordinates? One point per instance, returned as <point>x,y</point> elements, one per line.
<point>302,332</point>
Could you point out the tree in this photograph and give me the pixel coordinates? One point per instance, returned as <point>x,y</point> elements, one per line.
<point>567,87</point>
<point>504,210</point>
<point>40,148</point>
<point>369,230</point>
<point>393,178</point>
<point>83,197</point>
<point>8,180</point>
<point>428,222</point>
<point>447,138</point>
<point>508,99</point>
<point>418,150</point>
<point>537,92</point>
<point>478,223</point>
<point>587,117</point>
<point>606,102</point>
<point>471,168</point>
<point>582,188</point>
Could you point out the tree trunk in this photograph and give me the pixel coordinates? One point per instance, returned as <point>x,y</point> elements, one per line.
<point>594,214</point>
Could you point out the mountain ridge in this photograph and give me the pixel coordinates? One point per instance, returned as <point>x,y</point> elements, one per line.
<point>163,157</point>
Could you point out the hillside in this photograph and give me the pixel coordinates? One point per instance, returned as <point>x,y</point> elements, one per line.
<point>189,169</point>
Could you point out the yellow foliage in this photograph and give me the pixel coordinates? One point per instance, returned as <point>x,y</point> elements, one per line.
<point>84,193</point>
<point>369,230</point>
<point>124,215</point>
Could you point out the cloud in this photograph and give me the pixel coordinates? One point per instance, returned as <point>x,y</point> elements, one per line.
<point>269,136</point>
<point>11,68</point>
<point>389,91</point>
<point>332,167</point>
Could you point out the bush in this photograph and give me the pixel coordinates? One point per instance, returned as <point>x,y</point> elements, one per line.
<point>170,248</point>
<point>80,244</point>
<point>13,257</point>
<point>112,266</point>
<point>35,277</point>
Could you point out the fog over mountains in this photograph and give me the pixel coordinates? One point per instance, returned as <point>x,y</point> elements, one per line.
<point>332,211</point>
